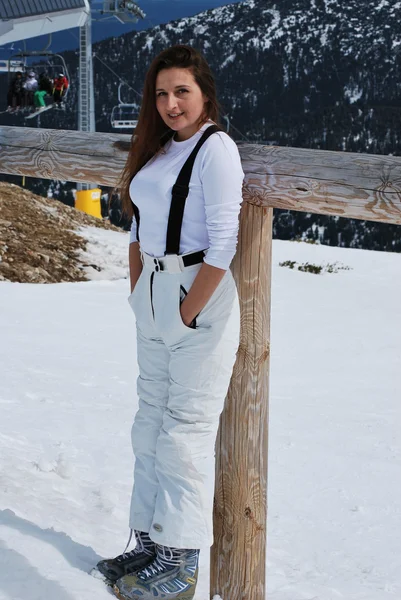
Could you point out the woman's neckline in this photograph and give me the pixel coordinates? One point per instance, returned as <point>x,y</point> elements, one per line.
<point>184,143</point>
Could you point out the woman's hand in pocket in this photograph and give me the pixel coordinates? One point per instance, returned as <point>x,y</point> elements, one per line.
<point>135,264</point>
<point>185,316</point>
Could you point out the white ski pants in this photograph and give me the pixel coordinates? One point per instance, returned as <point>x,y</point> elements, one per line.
<point>183,380</point>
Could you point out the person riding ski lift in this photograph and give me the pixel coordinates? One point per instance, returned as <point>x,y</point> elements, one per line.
<point>45,83</point>
<point>60,88</point>
<point>15,92</point>
<point>45,87</point>
<point>30,87</point>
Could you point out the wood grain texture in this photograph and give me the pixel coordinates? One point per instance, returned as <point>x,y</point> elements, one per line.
<point>359,186</point>
<point>63,155</point>
<point>239,554</point>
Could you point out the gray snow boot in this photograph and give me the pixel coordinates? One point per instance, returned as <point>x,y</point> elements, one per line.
<point>126,563</point>
<point>173,574</point>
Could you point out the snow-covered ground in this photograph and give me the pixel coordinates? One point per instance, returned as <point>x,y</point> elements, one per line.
<point>67,400</point>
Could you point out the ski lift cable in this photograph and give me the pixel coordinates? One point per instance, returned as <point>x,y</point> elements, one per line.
<point>110,69</point>
<point>118,76</point>
<point>238,131</point>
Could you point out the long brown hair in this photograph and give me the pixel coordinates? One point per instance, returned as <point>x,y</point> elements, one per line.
<point>151,133</point>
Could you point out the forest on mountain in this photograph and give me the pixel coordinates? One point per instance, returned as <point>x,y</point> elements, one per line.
<point>303,73</point>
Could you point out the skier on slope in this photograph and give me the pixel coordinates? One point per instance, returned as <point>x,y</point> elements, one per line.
<point>187,321</point>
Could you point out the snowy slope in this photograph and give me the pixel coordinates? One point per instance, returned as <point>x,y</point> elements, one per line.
<point>67,400</point>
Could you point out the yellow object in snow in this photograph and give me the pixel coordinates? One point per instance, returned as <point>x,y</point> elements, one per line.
<point>89,202</point>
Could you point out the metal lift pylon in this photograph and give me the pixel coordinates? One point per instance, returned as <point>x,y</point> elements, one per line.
<point>88,195</point>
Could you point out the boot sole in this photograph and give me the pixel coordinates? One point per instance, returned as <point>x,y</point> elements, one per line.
<point>99,575</point>
<point>120,596</point>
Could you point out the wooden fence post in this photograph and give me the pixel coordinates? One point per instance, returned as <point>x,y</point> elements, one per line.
<point>238,558</point>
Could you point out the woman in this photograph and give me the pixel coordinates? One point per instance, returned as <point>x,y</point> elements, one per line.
<point>183,239</point>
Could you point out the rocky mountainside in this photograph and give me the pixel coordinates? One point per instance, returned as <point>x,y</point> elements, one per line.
<point>42,240</point>
<point>308,73</point>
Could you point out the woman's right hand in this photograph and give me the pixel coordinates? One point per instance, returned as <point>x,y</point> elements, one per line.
<point>135,264</point>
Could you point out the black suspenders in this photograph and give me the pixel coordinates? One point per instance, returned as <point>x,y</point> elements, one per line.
<point>179,196</point>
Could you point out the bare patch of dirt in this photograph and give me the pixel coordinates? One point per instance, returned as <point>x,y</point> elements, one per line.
<point>37,239</point>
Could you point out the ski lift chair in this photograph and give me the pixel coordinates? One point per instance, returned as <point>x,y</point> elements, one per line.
<point>53,64</point>
<point>125,115</point>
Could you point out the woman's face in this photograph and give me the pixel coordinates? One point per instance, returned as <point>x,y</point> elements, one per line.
<point>179,101</point>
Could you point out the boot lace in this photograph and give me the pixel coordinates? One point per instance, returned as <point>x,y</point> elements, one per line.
<point>139,548</point>
<point>166,559</point>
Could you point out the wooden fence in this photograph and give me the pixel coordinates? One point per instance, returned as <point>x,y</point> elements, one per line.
<point>349,185</point>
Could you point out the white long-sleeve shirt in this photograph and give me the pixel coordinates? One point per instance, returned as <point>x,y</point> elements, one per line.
<point>212,206</point>
<point>31,84</point>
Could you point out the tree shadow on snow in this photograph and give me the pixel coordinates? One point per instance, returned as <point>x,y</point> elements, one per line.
<point>79,556</point>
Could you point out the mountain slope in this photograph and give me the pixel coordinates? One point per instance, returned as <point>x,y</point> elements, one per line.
<point>306,73</point>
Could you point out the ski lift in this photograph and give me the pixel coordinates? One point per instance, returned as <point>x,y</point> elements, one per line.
<point>53,64</point>
<point>125,115</point>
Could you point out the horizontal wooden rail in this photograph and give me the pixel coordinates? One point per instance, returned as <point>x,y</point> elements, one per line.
<point>358,186</point>
<point>331,183</point>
